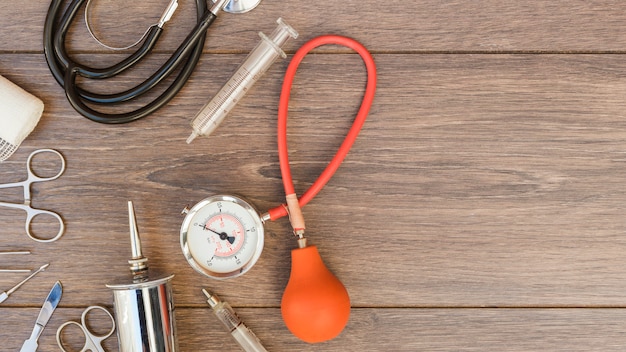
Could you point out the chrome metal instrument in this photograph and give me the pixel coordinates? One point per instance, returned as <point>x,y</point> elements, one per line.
<point>143,303</point>
<point>47,309</point>
<point>241,6</point>
<point>30,211</point>
<point>4,295</point>
<point>14,270</point>
<point>93,341</point>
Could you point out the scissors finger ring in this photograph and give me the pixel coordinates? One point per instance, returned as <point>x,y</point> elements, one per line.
<point>31,213</point>
<point>33,177</point>
<point>61,328</point>
<point>26,204</point>
<point>92,341</point>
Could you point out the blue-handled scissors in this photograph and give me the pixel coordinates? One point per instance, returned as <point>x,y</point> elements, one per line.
<point>93,342</point>
<point>30,211</point>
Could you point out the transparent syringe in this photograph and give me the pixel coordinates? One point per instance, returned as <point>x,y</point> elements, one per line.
<point>255,65</point>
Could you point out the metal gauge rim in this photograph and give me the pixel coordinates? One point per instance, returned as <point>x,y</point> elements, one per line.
<point>241,6</point>
<point>186,226</point>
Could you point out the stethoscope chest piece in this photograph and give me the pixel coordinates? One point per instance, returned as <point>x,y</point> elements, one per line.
<point>239,6</point>
<point>222,236</point>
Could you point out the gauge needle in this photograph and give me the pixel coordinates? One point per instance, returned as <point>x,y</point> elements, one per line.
<point>223,235</point>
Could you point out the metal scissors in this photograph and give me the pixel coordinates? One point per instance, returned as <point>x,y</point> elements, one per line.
<point>30,211</point>
<point>93,342</point>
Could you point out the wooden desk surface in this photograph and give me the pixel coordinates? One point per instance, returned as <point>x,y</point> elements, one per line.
<point>481,209</point>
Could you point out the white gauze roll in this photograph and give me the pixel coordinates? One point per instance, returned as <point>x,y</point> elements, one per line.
<point>19,114</point>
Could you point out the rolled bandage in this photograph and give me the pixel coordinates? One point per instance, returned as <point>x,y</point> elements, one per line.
<point>20,112</point>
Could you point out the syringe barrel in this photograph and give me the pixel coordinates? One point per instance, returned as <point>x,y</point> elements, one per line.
<point>240,332</point>
<point>255,65</point>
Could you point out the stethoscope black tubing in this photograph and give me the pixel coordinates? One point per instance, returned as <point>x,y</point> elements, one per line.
<point>98,73</point>
<point>58,60</point>
<point>165,70</point>
<point>187,54</point>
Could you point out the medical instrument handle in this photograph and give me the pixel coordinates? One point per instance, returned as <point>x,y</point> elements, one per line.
<point>32,176</point>
<point>343,150</point>
<point>30,345</point>
<point>47,309</point>
<point>254,66</point>
<point>86,344</point>
<point>31,213</point>
<point>5,295</point>
<point>93,342</point>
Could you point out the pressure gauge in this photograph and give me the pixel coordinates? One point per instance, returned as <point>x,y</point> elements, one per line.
<point>222,236</point>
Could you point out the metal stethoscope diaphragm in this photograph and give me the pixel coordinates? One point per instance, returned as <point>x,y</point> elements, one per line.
<point>241,6</point>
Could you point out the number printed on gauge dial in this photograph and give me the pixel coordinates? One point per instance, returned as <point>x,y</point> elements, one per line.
<point>222,236</point>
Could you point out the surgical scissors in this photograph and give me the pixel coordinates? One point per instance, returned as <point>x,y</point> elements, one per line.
<point>30,211</point>
<point>93,342</point>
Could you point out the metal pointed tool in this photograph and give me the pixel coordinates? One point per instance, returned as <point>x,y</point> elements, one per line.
<point>51,303</point>
<point>138,263</point>
<point>14,270</point>
<point>143,303</point>
<point>5,295</point>
<point>15,252</point>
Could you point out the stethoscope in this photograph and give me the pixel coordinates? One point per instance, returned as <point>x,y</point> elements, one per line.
<point>65,70</point>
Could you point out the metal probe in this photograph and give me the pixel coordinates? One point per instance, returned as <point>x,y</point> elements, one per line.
<point>15,270</point>
<point>5,295</point>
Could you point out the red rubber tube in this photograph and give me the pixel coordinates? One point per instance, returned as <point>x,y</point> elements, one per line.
<point>352,134</point>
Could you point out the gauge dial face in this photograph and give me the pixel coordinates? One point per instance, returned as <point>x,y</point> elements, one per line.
<point>222,236</point>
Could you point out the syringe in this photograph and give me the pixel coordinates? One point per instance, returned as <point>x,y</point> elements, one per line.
<point>255,65</point>
<point>227,316</point>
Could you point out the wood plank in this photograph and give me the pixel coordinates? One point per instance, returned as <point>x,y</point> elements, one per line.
<point>482,207</point>
<point>380,330</point>
<point>478,180</point>
<point>406,26</point>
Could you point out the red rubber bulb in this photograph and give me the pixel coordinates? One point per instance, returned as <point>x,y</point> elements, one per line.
<point>315,304</point>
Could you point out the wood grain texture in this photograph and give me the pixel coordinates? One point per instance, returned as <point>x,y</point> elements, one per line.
<point>482,207</point>
<point>383,329</point>
<point>405,26</point>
